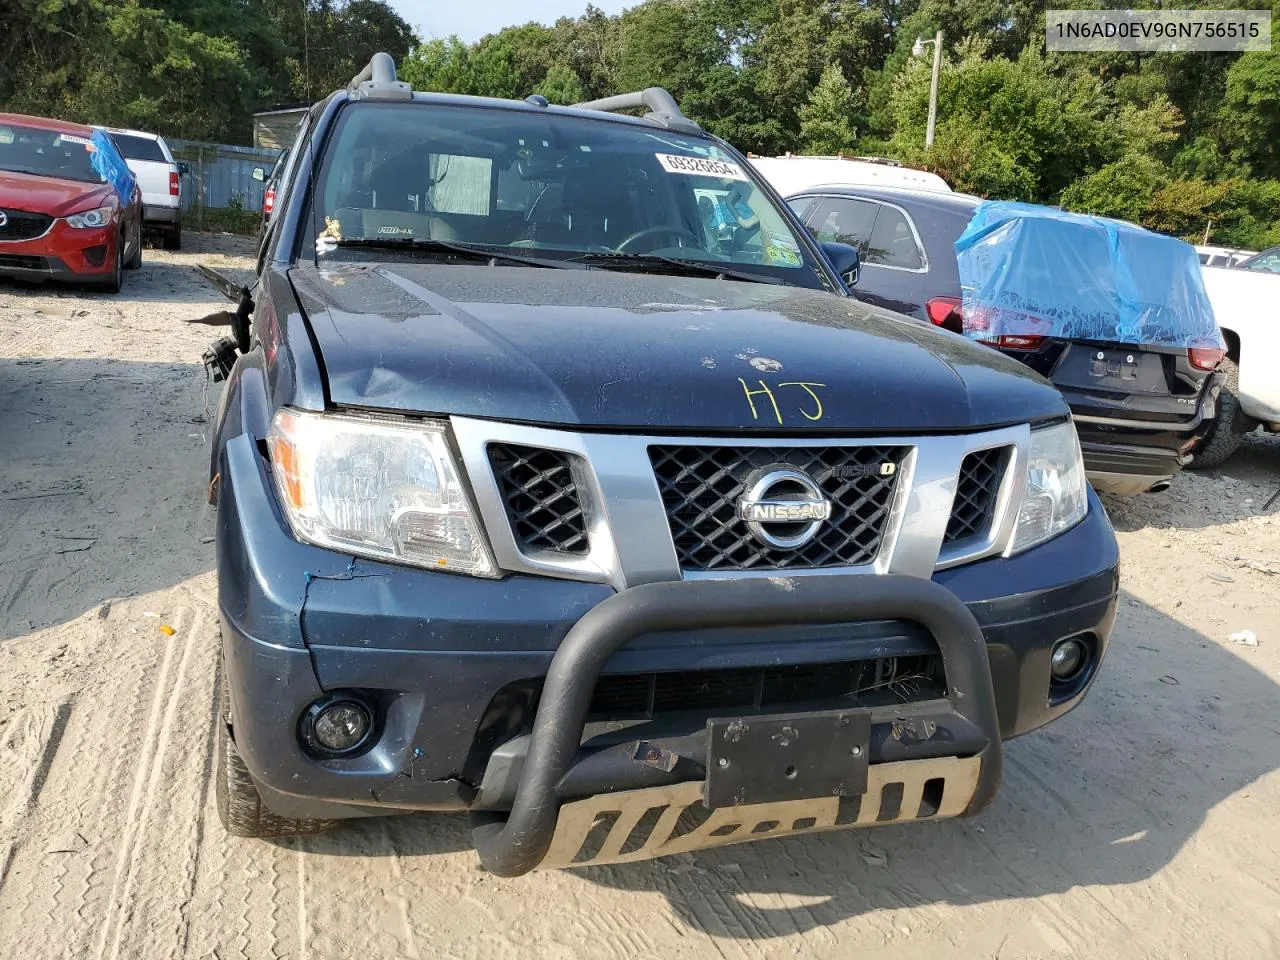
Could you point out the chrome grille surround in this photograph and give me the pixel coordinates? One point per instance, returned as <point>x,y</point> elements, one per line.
<point>628,535</point>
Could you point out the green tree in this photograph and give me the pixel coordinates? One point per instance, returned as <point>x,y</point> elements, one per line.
<point>1250,112</point>
<point>512,62</point>
<point>1003,124</point>
<point>561,85</point>
<point>441,65</point>
<point>589,46</point>
<point>1123,189</point>
<point>825,121</point>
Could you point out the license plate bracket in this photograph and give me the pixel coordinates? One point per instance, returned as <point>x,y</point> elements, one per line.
<point>799,756</point>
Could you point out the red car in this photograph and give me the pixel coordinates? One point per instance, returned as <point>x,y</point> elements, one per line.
<point>65,213</point>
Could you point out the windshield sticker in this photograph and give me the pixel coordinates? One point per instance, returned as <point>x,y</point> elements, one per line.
<point>700,167</point>
<point>782,255</point>
<point>6,135</point>
<point>389,231</point>
<point>68,138</point>
<point>327,241</point>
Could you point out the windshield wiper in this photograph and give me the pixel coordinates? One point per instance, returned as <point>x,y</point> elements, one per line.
<point>447,248</point>
<point>655,263</point>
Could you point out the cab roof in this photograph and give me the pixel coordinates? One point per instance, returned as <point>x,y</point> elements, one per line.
<point>46,123</point>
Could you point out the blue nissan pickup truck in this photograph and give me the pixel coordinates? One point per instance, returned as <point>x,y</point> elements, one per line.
<point>560,480</point>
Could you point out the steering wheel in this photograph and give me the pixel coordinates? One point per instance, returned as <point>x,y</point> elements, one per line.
<point>678,232</point>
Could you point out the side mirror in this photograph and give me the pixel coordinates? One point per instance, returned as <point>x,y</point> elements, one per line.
<point>183,168</point>
<point>257,173</point>
<point>844,259</point>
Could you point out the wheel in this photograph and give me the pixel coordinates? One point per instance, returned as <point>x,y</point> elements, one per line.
<point>115,280</point>
<point>135,261</point>
<point>173,237</point>
<point>240,806</point>
<point>1228,429</point>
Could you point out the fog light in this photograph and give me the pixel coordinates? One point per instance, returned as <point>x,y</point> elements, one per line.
<point>1068,658</point>
<point>337,727</point>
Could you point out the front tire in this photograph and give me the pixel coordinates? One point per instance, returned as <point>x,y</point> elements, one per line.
<point>135,261</point>
<point>240,806</point>
<point>1228,429</point>
<point>115,280</point>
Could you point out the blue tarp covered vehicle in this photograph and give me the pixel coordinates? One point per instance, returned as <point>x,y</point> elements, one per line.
<point>1027,270</point>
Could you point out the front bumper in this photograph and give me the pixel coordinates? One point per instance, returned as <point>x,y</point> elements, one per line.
<point>436,651</point>
<point>63,253</point>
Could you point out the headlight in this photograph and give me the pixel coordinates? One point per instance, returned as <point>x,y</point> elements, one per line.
<point>90,218</point>
<point>1056,496</point>
<point>378,488</point>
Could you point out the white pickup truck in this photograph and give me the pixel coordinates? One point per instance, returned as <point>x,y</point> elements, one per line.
<point>159,178</point>
<point>1246,302</point>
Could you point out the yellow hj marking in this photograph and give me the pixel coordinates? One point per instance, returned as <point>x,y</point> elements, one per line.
<point>807,386</point>
<point>764,388</point>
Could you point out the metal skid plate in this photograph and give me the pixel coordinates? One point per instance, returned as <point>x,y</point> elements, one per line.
<point>659,821</point>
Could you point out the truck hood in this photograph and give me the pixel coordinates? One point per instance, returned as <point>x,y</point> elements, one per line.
<point>50,195</point>
<point>600,348</point>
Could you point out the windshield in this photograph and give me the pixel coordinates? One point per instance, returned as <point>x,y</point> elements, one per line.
<point>561,186</point>
<point>139,148</point>
<point>47,153</point>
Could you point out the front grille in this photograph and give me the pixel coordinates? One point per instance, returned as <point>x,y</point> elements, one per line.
<point>888,679</point>
<point>541,497</point>
<point>13,261</point>
<point>701,487</point>
<point>974,507</point>
<point>21,225</point>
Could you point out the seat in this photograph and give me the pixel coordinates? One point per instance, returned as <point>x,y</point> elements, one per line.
<point>595,211</point>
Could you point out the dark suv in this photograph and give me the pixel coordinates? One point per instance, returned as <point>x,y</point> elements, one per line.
<point>560,481</point>
<point>1141,410</point>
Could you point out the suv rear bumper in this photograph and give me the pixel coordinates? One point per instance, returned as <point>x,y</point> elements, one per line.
<point>1128,456</point>
<point>435,650</point>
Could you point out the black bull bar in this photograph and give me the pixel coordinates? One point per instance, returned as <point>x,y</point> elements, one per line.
<point>517,842</point>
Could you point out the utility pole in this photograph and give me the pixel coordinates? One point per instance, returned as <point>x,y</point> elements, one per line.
<point>917,50</point>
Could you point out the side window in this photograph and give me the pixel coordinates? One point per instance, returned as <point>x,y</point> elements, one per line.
<point>1268,262</point>
<point>460,184</point>
<point>844,220</point>
<point>291,162</point>
<point>801,206</point>
<point>892,242</point>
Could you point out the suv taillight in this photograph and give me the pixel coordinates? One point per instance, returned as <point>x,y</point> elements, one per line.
<point>945,312</point>
<point>173,183</point>
<point>1017,341</point>
<point>269,200</point>
<point>1205,358</point>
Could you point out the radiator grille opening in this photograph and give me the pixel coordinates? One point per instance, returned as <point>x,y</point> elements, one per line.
<point>701,488</point>
<point>974,508</point>
<point>541,497</point>
<point>887,679</point>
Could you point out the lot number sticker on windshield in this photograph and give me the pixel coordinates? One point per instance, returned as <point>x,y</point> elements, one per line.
<point>700,166</point>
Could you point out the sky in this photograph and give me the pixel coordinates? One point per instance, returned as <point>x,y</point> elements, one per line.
<point>472,19</point>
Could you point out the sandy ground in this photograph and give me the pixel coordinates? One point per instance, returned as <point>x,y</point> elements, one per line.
<point>1146,824</point>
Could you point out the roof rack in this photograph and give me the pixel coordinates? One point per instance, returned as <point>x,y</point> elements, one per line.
<point>662,108</point>
<point>377,81</point>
